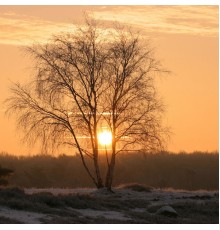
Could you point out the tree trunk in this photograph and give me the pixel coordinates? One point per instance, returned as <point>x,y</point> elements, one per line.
<point>99,179</point>
<point>110,174</point>
<point>97,171</point>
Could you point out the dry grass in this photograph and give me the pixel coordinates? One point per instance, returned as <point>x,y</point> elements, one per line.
<point>136,187</point>
<point>4,220</point>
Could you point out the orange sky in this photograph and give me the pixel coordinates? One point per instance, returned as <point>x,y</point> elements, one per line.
<point>186,41</point>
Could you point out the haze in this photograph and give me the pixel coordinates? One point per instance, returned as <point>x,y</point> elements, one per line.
<point>186,42</point>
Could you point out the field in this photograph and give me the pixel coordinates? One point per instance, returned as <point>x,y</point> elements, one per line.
<point>153,188</point>
<point>133,204</point>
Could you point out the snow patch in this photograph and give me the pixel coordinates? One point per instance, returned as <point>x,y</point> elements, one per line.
<point>22,216</point>
<point>138,210</point>
<point>106,214</point>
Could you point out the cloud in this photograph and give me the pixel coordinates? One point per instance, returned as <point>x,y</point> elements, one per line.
<point>193,20</point>
<point>21,29</point>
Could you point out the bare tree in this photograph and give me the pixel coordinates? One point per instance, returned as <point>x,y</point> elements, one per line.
<point>88,81</point>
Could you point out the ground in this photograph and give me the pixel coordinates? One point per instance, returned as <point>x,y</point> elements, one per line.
<point>128,204</point>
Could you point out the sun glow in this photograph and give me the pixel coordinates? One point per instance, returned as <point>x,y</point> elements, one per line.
<point>105,137</point>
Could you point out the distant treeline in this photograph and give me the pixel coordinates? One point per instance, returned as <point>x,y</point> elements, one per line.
<point>164,170</point>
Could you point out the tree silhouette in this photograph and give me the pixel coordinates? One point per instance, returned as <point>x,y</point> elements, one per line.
<point>91,81</point>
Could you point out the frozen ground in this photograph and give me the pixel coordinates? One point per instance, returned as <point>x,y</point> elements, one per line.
<point>99,206</point>
<point>21,216</point>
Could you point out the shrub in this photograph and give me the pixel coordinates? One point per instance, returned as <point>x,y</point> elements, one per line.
<point>4,173</point>
<point>13,192</point>
<point>136,187</point>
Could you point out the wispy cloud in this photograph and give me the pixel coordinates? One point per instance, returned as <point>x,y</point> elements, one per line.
<point>196,20</point>
<point>21,29</point>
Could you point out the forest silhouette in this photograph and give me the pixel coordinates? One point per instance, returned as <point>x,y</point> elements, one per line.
<point>194,171</point>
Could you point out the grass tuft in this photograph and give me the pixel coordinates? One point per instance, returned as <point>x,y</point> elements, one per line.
<point>136,187</point>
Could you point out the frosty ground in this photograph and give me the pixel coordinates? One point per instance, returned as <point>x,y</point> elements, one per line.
<point>126,204</point>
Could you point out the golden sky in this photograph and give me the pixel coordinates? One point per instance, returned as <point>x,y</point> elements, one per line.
<point>186,42</point>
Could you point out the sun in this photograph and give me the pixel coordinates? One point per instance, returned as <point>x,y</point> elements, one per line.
<point>105,137</point>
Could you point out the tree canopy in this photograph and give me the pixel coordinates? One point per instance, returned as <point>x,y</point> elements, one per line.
<point>88,82</point>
